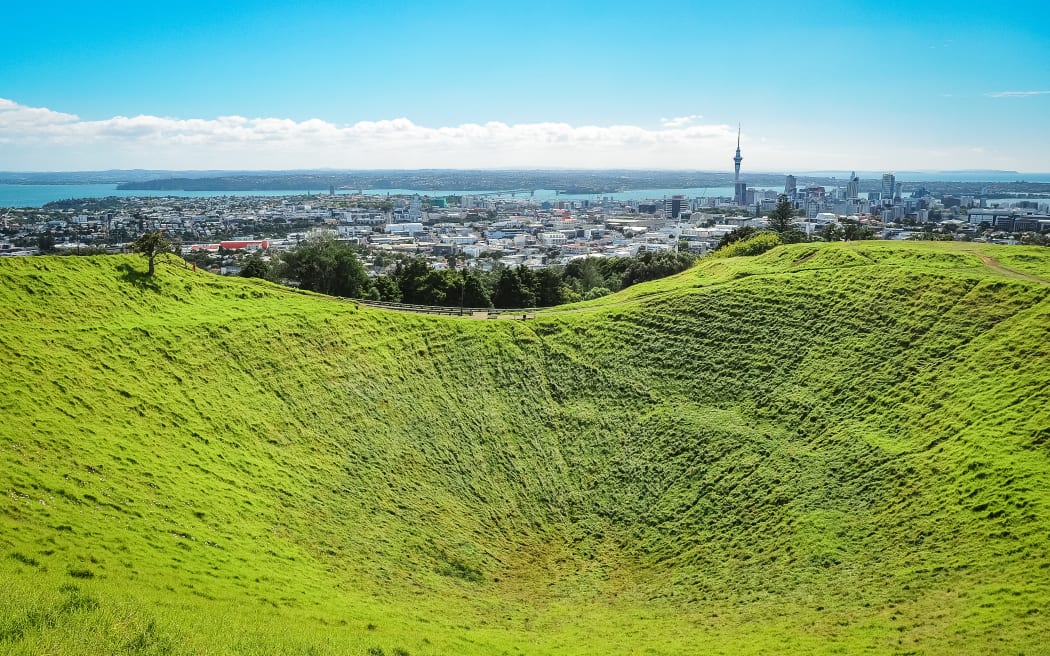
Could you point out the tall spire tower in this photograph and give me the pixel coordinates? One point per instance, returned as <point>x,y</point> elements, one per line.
<point>739,188</point>
<point>737,159</point>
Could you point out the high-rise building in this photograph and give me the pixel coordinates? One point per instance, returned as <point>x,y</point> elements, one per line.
<point>740,193</point>
<point>853,187</point>
<point>675,207</point>
<point>889,183</point>
<point>790,186</point>
<point>415,208</point>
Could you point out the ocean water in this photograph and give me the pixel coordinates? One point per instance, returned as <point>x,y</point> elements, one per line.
<point>39,195</point>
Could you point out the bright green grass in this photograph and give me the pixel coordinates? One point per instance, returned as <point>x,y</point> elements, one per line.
<point>823,449</point>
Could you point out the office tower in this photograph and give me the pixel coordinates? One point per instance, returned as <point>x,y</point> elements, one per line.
<point>740,193</point>
<point>889,182</point>
<point>790,186</point>
<point>853,187</point>
<point>675,207</point>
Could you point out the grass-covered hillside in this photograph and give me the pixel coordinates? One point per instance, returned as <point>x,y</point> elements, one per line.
<point>838,448</point>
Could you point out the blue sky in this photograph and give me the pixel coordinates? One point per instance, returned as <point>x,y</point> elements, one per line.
<point>829,85</point>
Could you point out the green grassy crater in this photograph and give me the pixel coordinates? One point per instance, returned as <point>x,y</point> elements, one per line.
<point>837,448</point>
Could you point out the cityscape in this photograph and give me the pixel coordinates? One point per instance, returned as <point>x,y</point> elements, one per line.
<point>514,228</point>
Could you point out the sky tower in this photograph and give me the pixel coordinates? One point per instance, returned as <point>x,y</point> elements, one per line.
<point>737,159</point>
<point>739,188</point>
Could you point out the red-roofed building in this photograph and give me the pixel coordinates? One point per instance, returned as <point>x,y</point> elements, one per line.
<point>251,245</point>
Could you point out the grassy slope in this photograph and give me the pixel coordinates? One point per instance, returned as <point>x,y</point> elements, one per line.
<point>823,448</point>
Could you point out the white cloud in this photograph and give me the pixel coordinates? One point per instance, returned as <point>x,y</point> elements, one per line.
<point>42,138</point>
<point>36,138</point>
<point>1015,94</point>
<point>15,117</point>
<point>679,121</point>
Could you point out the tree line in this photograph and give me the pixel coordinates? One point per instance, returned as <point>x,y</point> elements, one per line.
<point>333,267</point>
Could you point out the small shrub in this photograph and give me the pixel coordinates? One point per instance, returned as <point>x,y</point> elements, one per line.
<point>760,243</point>
<point>596,292</point>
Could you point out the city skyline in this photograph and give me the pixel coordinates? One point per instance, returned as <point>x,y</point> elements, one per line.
<point>866,86</point>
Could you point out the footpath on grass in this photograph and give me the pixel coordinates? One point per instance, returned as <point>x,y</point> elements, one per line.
<point>520,314</point>
<point>1000,268</point>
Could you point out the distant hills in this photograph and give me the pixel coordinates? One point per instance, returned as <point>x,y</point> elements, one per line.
<point>574,181</point>
<point>827,448</point>
<point>115,176</point>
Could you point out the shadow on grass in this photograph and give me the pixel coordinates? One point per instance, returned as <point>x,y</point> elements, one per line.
<point>140,279</point>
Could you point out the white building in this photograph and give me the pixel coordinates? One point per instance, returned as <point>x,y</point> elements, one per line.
<point>552,239</point>
<point>404,228</point>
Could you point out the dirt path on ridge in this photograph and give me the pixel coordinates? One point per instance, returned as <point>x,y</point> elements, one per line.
<point>998,267</point>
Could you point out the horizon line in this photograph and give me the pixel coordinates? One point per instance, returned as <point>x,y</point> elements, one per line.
<point>814,172</point>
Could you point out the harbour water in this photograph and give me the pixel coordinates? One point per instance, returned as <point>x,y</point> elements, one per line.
<point>38,195</point>
<point>16,195</point>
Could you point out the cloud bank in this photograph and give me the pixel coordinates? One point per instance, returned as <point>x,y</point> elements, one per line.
<point>37,138</point>
<point>42,139</point>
